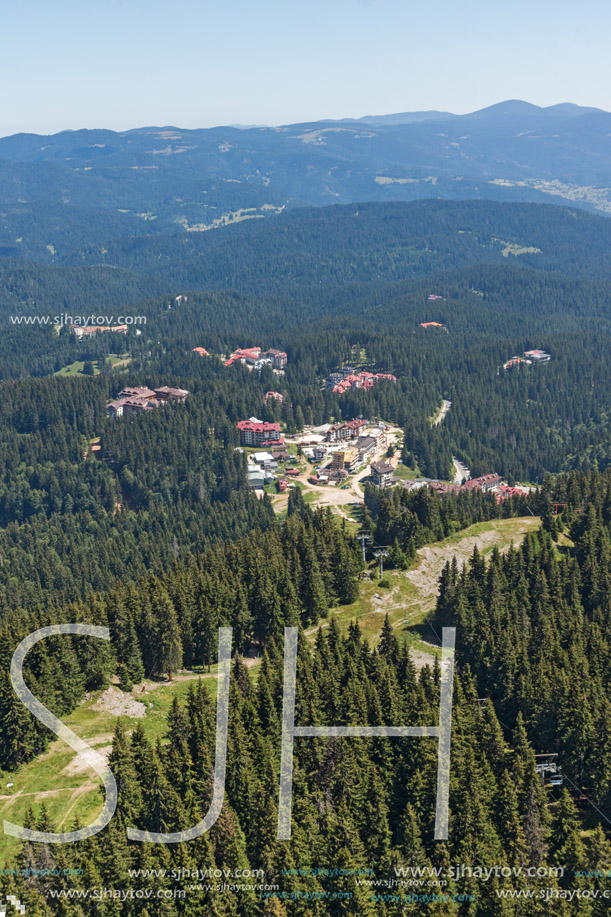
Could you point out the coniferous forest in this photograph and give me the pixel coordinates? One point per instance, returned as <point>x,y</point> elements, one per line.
<point>146,525</point>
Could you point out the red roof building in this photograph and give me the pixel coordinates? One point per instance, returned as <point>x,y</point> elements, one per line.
<point>246,355</point>
<point>253,433</point>
<point>540,355</point>
<point>355,427</point>
<point>485,482</point>
<point>505,492</point>
<point>138,391</point>
<point>363,379</point>
<point>388,376</point>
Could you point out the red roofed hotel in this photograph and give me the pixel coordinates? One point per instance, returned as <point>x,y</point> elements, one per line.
<point>363,379</point>
<point>255,357</point>
<point>275,396</point>
<point>505,492</point>
<point>388,376</point>
<point>256,432</point>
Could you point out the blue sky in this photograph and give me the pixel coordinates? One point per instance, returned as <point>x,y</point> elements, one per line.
<point>194,63</point>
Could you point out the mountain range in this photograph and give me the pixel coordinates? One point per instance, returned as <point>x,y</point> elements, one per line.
<point>88,186</point>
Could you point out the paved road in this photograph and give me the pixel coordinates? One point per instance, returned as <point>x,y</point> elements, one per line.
<point>445,407</point>
<point>460,471</point>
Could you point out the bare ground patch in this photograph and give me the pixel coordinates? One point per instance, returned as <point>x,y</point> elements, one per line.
<point>78,765</point>
<point>117,703</point>
<point>425,576</point>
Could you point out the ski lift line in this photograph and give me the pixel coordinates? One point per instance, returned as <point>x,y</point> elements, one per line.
<point>564,773</point>
<point>427,620</point>
<point>594,806</point>
<point>566,776</point>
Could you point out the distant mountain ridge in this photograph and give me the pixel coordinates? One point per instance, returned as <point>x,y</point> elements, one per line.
<point>511,107</point>
<point>55,189</point>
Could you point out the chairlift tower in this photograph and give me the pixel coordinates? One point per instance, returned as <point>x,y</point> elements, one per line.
<point>481,703</point>
<point>364,537</point>
<point>380,553</point>
<point>546,764</point>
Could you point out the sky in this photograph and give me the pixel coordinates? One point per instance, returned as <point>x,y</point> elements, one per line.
<point>121,64</point>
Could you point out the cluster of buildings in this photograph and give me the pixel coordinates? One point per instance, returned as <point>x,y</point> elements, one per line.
<point>255,432</point>
<point>347,461</point>
<point>252,357</point>
<point>486,483</point>
<point>255,358</point>
<point>345,379</point>
<point>539,356</point>
<point>264,468</point>
<point>344,447</point>
<point>139,398</point>
<point>351,434</point>
<point>504,492</point>
<point>340,432</point>
<point>81,331</point>
<point>530,357</point>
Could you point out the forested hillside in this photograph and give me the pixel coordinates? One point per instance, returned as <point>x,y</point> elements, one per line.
<point>146,523</point>
<point>305,461</point>
<point>75,520</point>
<point>531,650</point>
<point>32,288</point>
<point>535,626</point>
<point>366,242</point>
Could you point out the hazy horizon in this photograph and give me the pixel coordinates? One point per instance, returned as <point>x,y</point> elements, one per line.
<point>244,126</point>
<point>202,65</point>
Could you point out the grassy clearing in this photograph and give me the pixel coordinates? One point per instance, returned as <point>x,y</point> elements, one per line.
<point>55,777</point>
<point>73,369</point>
<point>76,368</point>
<point>118,362</point>
<point>412,596</point>
<point>514,248</point>
<point>407,474</point>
